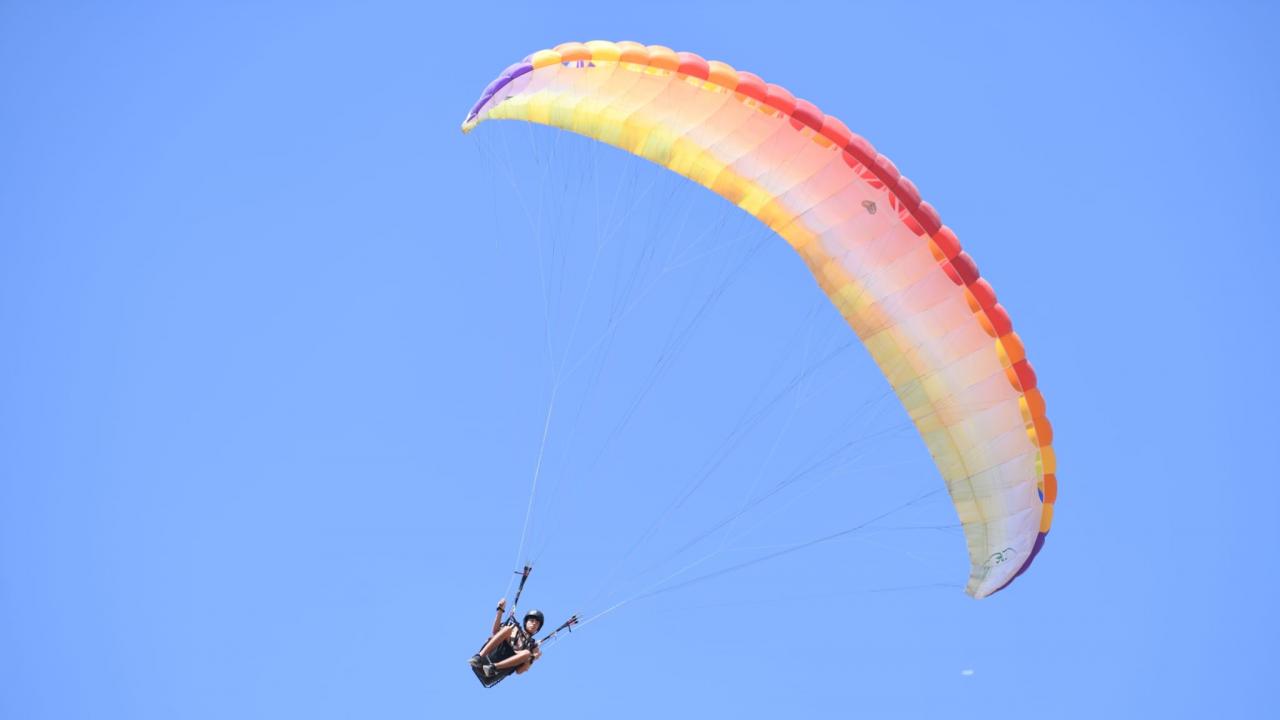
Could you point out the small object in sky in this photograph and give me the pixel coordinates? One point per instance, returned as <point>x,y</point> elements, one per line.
<point>967,672</point>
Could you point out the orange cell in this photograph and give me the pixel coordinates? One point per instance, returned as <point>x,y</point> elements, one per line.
<point>573,51</point>
<point>1044,431</point>
<point>633,52</point>
<point>1035,402</point>
<point>1011,349</point>
<point>722,74</point>
<point>663,58</point>
<point>1050,488</point>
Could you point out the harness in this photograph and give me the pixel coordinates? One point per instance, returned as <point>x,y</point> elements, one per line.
<point>522,640</point>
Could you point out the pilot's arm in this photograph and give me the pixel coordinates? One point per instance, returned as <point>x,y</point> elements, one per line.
<point>497,619</point>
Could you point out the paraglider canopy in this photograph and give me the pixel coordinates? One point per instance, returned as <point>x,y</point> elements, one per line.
<point>898,276</point>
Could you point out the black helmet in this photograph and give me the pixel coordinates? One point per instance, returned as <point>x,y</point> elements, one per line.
<point>535,615</point>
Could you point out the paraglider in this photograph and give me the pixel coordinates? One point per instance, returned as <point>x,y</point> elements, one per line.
<point>510,649</point>
<point>513,647</point>
<point>897,275</point>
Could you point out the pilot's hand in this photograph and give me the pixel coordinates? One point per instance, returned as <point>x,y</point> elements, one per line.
<point>502,604</point>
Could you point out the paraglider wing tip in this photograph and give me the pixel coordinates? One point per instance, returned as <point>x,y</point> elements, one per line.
<point>469,124</point>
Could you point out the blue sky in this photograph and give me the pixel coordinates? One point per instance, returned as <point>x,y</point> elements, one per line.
<point>277,359</point>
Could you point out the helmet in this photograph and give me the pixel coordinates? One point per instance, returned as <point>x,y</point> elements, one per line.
<point>535,615</point>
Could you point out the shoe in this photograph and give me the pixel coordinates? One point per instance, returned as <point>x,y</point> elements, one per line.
<point>490,670</point>
<point>476,661</point>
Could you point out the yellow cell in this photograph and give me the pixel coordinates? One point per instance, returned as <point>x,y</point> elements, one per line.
<point>604,51</point>
<point>544,58</point>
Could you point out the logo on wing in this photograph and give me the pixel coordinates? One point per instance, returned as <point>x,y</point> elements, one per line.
<point>1001,557</point>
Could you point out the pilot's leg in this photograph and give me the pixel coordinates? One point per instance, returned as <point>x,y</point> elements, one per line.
<point>498,638</point>
<point>520,658</point>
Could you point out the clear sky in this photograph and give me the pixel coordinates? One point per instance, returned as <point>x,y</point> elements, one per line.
<point>276,358</point>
